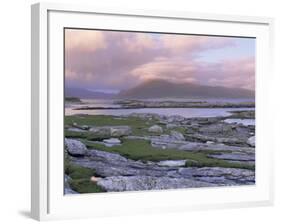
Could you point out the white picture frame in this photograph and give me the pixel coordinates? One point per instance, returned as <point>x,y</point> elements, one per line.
<point>48,201</point>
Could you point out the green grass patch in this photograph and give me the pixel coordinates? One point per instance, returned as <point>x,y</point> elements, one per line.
<point>85,186</point>
<point>179,129</point>
<point>138,125</point>
<point>219,163</point>
<point>142,150</point>
<point>78,172</point>
<point>76,134</point>
<point>80,178</point>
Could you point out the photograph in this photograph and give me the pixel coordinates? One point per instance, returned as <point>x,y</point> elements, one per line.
<point>149,111</point>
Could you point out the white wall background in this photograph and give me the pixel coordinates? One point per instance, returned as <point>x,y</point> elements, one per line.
<point>15,110</point>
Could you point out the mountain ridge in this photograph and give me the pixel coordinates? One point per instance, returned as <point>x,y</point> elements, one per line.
<point>162,89</point>
<point>87,94</point>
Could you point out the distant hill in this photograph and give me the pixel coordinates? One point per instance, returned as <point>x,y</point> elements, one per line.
<point>86,94</point>
<point>163,88</point>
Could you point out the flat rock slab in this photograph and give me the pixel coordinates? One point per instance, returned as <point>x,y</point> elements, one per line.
<point>108,164</point>
<point>111,131</point>
<point>220,175</point>
<point>169,142</point>
<point>172,163</point>
<point>232,173</point>
<point>232,141</point>
<point>111,142</point>
<point>140,183</point>
<point>234,156</point>
<point>76,130</point>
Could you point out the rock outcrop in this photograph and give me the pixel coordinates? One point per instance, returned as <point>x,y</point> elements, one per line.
<point>140,183</point>
<point>75,147</point>
<point>67,188</point>
<point>252,141</point>
<point>112,142</point>
<point>212,139</point>
<point>117,173</point>
<point>177,135</point>
<point>172,163</point>
<point>110,131</point>
<point>155,129</point>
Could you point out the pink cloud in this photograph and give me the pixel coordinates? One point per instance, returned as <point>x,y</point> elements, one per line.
<point>235,73</point>
<point>84,40</point>
<point>119,60</point>
<point>139,42</point>
<point>238,73</point>
<point>175,69</point>
<point>184,43</point>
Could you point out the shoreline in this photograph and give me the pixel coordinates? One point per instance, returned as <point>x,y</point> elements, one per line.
<point>141,104</point>
<point>122,108</point>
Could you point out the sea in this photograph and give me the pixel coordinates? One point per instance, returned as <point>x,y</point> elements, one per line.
<point>185,112</point>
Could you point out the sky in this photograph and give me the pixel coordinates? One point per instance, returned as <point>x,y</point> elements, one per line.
<point>110,61</point>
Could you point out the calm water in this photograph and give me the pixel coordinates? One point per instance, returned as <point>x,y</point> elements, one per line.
<point>185,112</point>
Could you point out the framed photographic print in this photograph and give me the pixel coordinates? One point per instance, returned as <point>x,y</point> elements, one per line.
<point>145,111</point>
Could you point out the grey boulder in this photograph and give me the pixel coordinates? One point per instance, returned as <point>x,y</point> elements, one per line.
<point>110,131</point>
<point>155,129</point>
<point>177,135</point>
<point>252,141</point>
<point>117,131</point>
<point>172,163</point>
<point>112,141</point>
<point>67,189</point>
<point>75,147</point>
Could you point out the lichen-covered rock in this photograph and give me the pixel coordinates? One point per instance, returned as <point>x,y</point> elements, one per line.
<point>100,132</point>
<point>155,129</point>
<point>75,147</point>
<point>140,183</point>
<point>108,164</point>
<point>217,128</point>
<point>118,131</point>
<point>147,116</point>
<point>235,141</point>
<point>110,131</point>
<point>177,135</point>
<point>227,176</point>
<point>234,156</point>
<point>232,173</point>
<point>168,142</point>
<point>190,146</point>
<point>252,141</point>
<point>171,126</point>
<point>172,163</point>
<point>76,130</point>
<point>175,119</point>
<point>67,189</point>
<point>112,141</point>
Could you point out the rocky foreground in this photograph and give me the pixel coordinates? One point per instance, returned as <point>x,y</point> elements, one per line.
<point>152,152</point>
